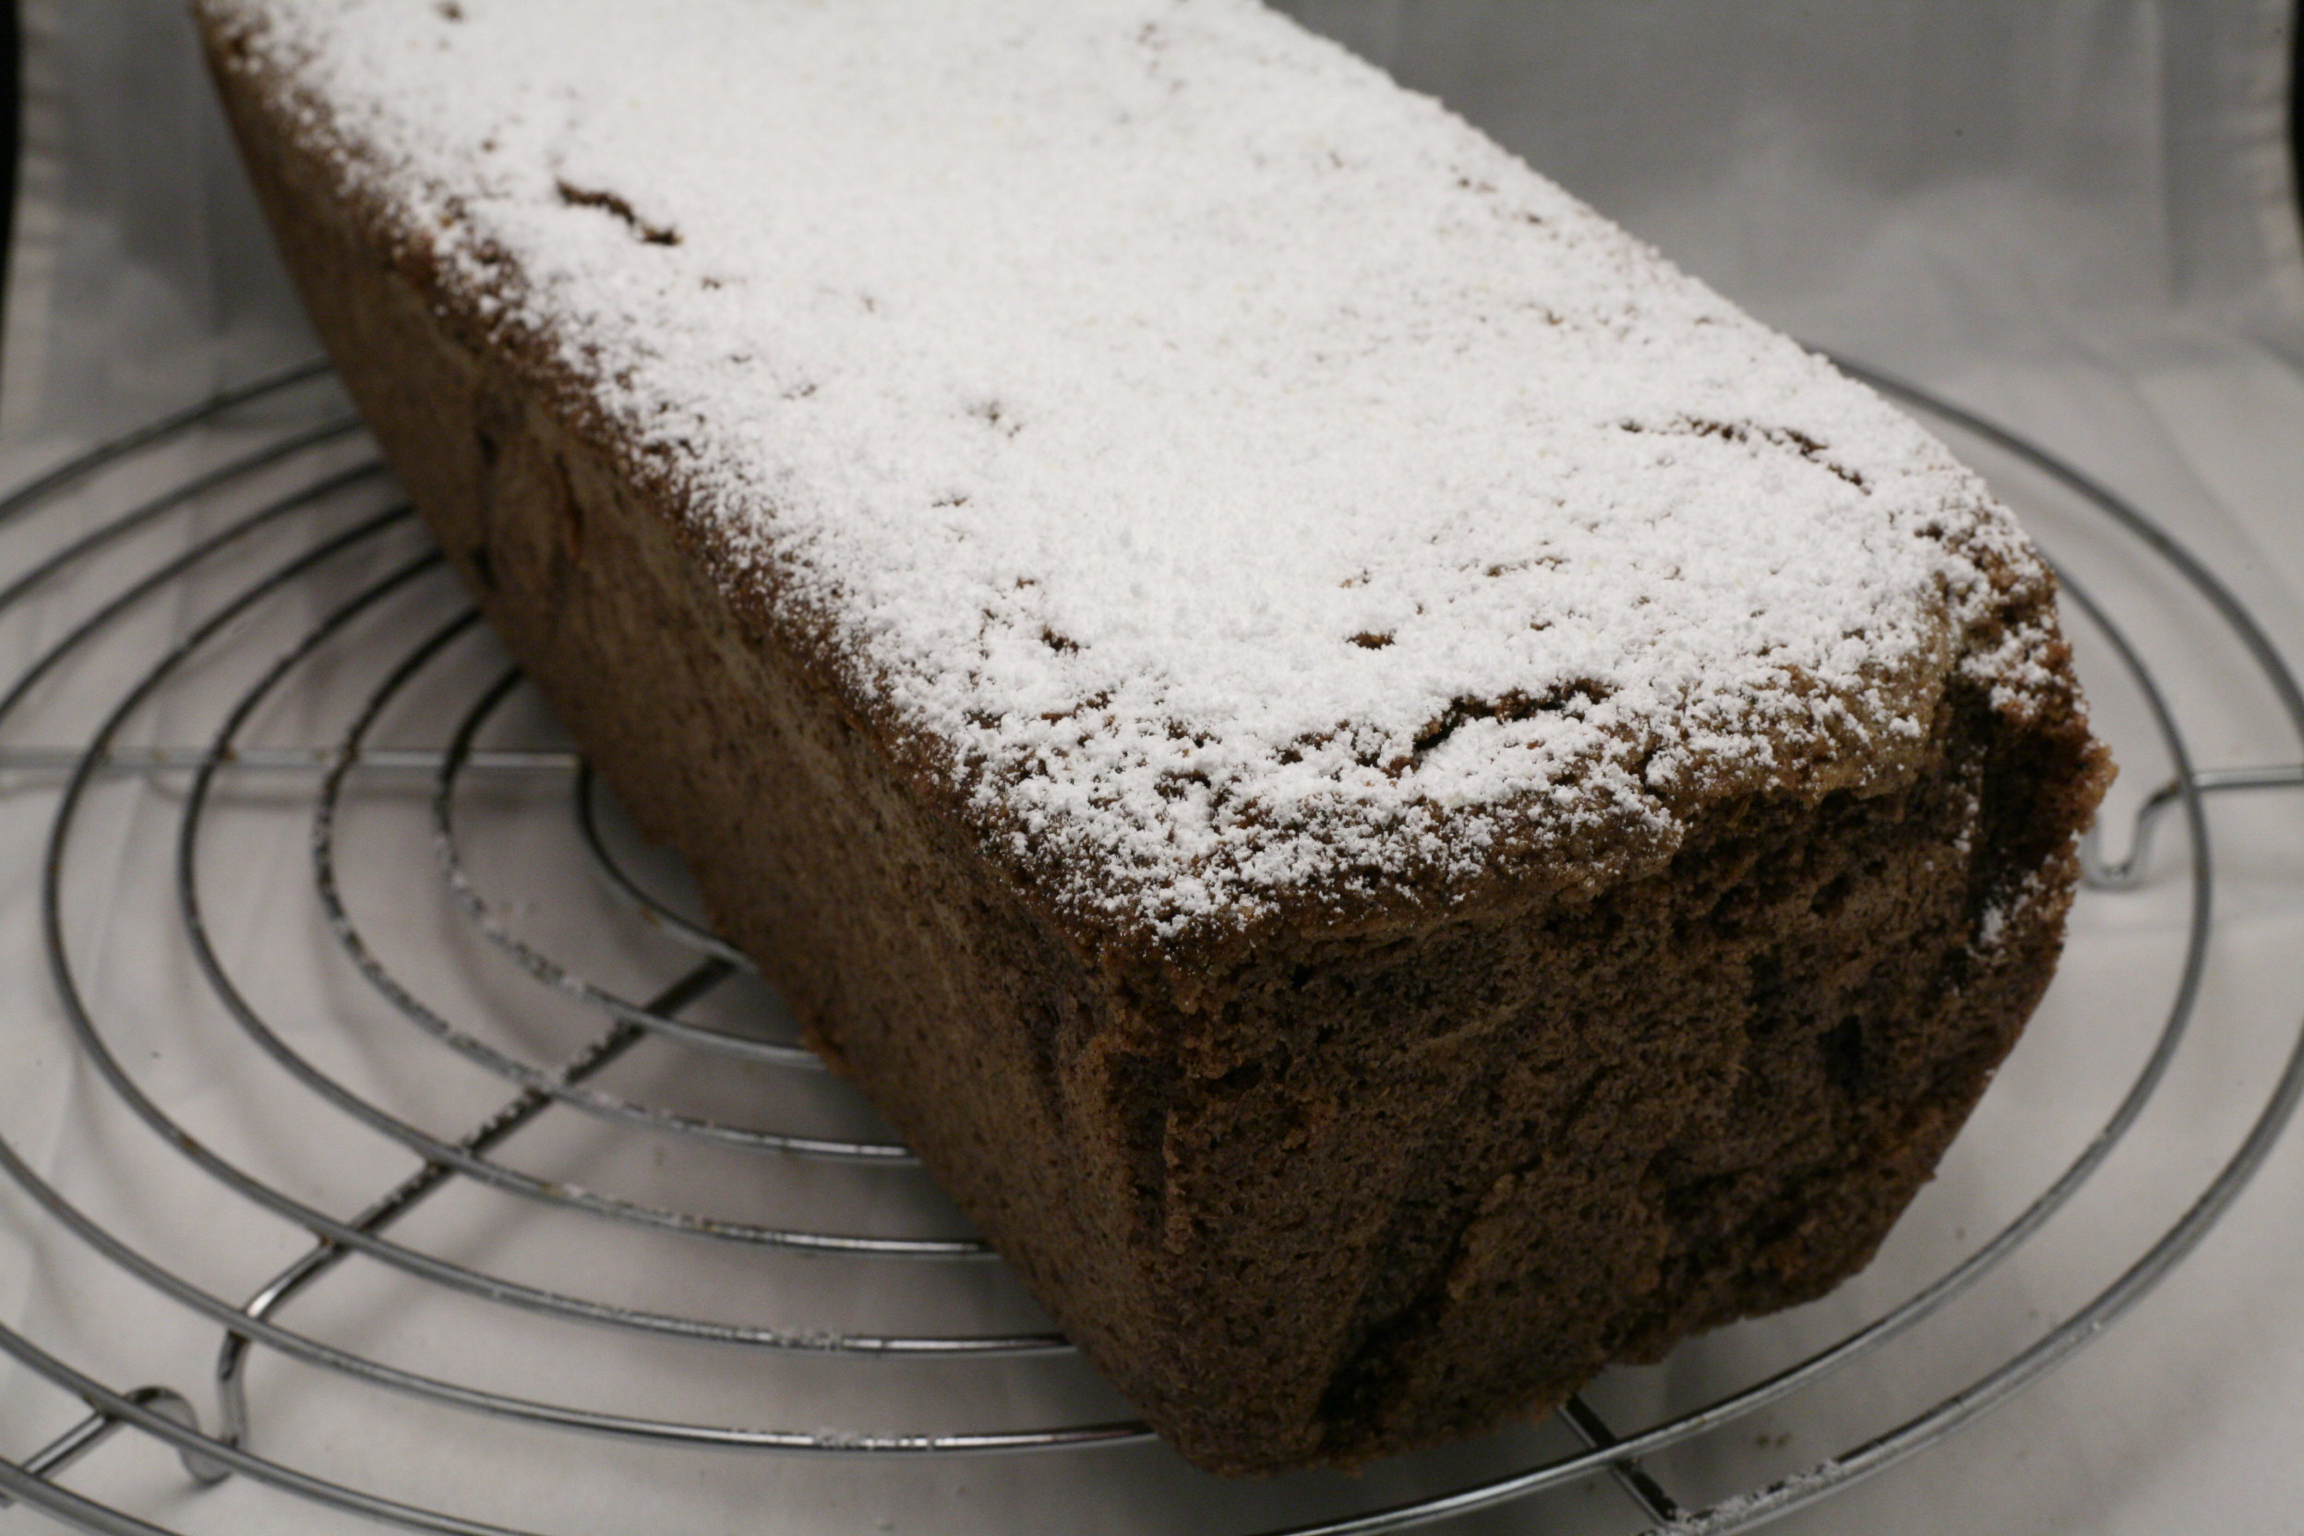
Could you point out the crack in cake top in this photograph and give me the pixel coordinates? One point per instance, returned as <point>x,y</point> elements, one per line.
<point>1252,483</point>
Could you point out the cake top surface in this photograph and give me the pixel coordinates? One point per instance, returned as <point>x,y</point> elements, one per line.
<point>1248,482</point>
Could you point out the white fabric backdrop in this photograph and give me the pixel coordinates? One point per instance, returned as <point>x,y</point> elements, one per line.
<point>2075,215</point>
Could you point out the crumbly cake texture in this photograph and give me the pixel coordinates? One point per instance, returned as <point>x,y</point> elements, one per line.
<point>1399,800</point>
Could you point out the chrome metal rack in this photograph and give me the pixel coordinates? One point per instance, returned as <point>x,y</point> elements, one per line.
<point>269,501</point>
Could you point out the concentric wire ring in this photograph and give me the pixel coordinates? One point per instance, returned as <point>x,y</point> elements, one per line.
<point>550,971</point>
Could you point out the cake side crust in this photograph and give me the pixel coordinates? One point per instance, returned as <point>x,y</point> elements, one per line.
<point>854,896</point>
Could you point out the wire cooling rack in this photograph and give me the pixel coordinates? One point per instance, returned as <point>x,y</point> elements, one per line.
<point>228,621</point>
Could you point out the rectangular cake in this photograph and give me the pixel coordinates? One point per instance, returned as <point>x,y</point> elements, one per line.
<point>1398,800</point>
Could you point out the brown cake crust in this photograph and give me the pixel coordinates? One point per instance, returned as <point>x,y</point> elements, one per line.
<point>1340,1189</point>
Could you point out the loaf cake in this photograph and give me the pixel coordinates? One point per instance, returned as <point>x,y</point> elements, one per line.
<point>1399,801</point>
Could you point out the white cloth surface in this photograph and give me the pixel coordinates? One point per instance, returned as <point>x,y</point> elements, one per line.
<point>2073,217</point>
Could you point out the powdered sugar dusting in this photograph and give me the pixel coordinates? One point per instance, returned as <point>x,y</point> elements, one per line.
<point>1247,478</point>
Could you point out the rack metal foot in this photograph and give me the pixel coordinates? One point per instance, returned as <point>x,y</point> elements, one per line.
<point>2127,874</point>
<point>91,1432</point>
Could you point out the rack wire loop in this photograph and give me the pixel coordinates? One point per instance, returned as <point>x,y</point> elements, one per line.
<point>2129,872</point>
